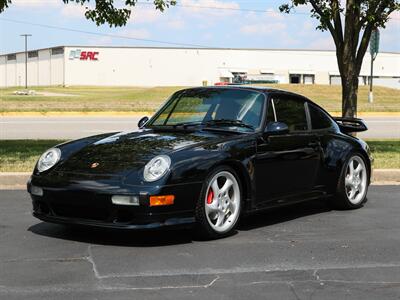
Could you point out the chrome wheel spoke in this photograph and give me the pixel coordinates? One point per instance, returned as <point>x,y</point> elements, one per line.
<point>352,193</point>
<point>213,207</point>
<point>215,187</point>
<point>348,181</point>
<point>358,170</point>
<point>232,206</point>
<point>220,219</point>
<point>351,168</point>
<point>227,185</point>
<point>223,211</point>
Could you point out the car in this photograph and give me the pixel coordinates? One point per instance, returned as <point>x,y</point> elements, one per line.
<point>207,157</point>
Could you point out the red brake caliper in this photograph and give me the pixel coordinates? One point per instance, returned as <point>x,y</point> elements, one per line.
<point>210,196</point>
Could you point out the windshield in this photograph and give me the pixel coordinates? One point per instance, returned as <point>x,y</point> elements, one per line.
<point>234,108</point>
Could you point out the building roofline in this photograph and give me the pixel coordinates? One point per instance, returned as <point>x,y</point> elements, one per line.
<point>185,48</point>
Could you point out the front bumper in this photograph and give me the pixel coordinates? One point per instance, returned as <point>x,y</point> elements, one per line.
<point>171,222</point>
<point>89,203</point>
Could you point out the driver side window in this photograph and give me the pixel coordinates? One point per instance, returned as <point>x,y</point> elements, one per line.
<point>292,112</point>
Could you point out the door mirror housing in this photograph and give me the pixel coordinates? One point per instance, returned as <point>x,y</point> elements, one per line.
<point>142,122</point>
<point>276,128</point>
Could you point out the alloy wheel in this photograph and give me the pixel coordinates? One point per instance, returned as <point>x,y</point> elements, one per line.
<point>356,180</point>
<point>222,202</point>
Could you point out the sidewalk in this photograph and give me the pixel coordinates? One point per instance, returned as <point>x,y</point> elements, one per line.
<point>16,180</point>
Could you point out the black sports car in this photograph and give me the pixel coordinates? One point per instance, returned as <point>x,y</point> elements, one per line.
<point>208,156</point>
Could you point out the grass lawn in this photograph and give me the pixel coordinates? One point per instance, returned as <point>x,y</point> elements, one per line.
<point>21,155</point>
<point>126,99</point>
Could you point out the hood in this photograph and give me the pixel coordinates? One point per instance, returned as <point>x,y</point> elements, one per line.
<point>124,152</point>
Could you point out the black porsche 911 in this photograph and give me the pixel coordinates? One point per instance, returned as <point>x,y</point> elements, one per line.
<point>207,157</point>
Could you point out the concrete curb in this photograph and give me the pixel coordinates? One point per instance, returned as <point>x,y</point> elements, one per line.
<point>18,180</point>
<point>146,113</point>
<point>78,114</point>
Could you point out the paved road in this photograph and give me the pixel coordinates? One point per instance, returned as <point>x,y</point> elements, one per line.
<point>62,127</point>
<point>300,252</point>
<point>76,127</point>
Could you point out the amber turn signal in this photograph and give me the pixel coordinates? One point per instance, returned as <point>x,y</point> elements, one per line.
<point>162,200</point>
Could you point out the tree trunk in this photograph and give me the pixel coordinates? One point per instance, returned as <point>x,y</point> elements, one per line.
<point>349,95</point>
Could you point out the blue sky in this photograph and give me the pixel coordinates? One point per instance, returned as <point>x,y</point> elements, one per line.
<point>234,26</point>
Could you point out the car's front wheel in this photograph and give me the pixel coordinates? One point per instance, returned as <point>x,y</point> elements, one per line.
<point>218,209</point>
<point>353,184</point>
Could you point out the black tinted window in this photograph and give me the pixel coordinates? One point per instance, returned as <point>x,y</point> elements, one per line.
<point>291,112</point>
<point>319,120</point>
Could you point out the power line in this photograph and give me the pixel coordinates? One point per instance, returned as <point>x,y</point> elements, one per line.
<point>227,8</point>
<point>244,9</point>
<point>103,34</point>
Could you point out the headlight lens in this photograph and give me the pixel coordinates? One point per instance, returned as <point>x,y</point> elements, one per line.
<point>48,159</point>
<point>156,168</point>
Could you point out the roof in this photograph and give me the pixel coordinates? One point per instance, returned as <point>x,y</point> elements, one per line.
<point>185,48</point>
<point>264,89</point>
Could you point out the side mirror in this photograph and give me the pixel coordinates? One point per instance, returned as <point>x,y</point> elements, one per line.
<point>142,122</point>
<point>276,128</point>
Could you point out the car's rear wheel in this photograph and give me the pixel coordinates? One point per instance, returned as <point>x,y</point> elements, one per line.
<point>219,206</point>
<point>353,184</point>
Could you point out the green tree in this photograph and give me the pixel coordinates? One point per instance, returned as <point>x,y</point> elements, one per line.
<point>106,11</point>
<point>350,22</point>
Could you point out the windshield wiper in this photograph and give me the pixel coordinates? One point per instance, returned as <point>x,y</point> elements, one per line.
<point>187,124</point>
<point>238,123</point>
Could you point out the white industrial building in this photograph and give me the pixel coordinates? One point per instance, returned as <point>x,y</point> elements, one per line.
<point>150,66</point>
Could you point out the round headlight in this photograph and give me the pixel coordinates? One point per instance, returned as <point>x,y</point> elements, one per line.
<point>156,168</point>
<point>48,159</point>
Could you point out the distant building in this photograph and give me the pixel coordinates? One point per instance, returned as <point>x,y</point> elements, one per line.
<point>150,66</point>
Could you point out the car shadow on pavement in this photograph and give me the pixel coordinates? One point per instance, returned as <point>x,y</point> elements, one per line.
<point>283,214</point>
<point>114,237</point>
<point>165,237</point>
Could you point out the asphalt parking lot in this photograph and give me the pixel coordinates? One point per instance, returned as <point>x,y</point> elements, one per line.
<point>305,251</point>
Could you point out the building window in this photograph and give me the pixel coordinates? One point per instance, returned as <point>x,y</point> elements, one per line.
<point>11,56</point>
<point>239,77</point>
<point>335,80</point>
<point>295,78</point>
<point>308,79</point>
<point>57,51</point>
<point>33,54</point>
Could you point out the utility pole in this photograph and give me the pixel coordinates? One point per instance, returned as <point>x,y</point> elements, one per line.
<point>26,58</point>
<point>374,50</point>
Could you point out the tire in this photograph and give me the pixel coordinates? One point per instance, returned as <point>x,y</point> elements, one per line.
<point>219,207</point>
<point>352,188</point>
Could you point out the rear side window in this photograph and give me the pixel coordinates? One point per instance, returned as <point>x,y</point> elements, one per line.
<point>292,112</point>
<point>319,119</point>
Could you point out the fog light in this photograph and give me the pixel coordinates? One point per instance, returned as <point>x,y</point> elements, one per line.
<point>162,200</point>
<point>37,191</point>
<point>125,200</point>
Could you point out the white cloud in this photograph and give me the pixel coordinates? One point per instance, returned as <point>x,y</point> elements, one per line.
<point>325,43</point>
<point>209,8</point>
<point>263,28</point>
<point>36,3</point>
<point>176,24</point>
<point>101,41</point>
<point>390,36</point>
<point>71,10</point>
<point>144,14</point>
<point>134,33</point>
<point>272,23</point>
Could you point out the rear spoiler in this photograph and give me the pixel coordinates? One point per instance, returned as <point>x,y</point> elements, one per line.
<point>348,125</point>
